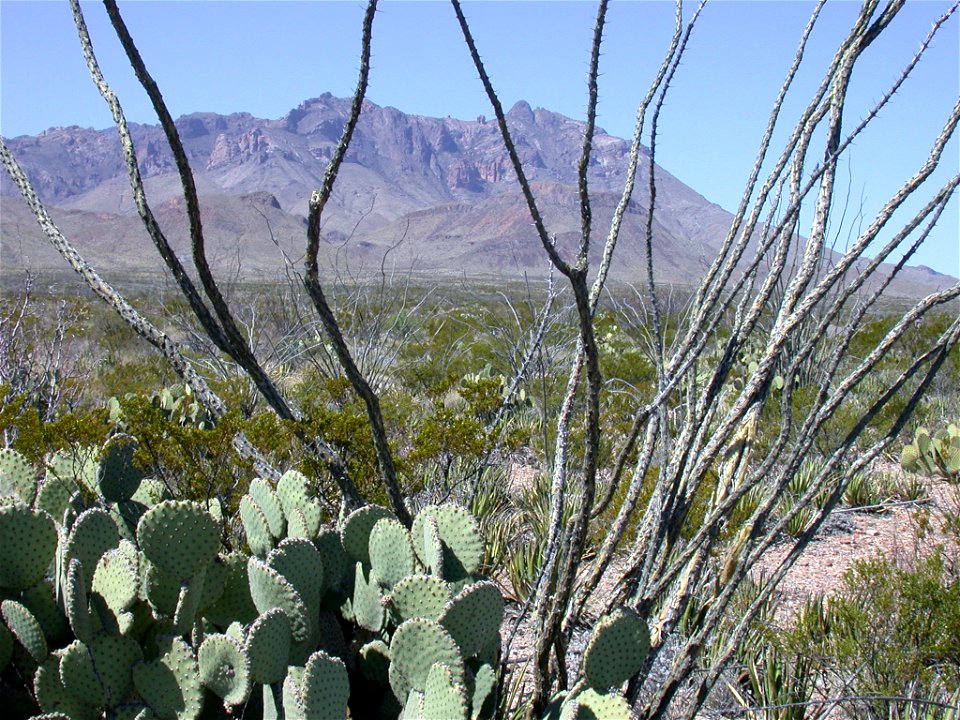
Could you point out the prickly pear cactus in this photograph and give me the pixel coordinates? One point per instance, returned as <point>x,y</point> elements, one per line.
<point>17,476</point>
<point>937,455</point>
<point>616,651</point>
<point>121,605</point>
<point>30,544</point>
<point>225,669</point>
<point>178,537</point>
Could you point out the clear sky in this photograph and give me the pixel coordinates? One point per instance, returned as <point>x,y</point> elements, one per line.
<point>267,57</point>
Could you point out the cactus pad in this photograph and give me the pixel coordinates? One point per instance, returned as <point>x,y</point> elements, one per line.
<point>116,580</point>
<point>296,498</point>
<point>256,527</point>
<point>433,555</point>
<point>54,495</point>
<point>355,533</point>
<point>41,601</point>
<point>30,544</point>
<point>179,537</point>
<point>17,476</point>
<point>234,603</point>
<point>299,561</point>
<point>483,702</point>
<point>443,697</point>
<point>77,464</point>
<point>188,603</point>
<point>75,602</point>
<point>391,555</point>
<point>93,533</point>
<point>266,499</point>
<point>25,628</point>
<point>269,589</point>
<point>170,685</point>
<point>374,662</point>
<point>100,673</point>
<point>616,651</point>
<point>151,492</point>
<point>367,607</point>
<point>460,534</point>
<point>225,668</point>
<point>160,589</point>
<point>337,567</point>
<point>117,476</point>
<point>268,647</point>
<point>592,705</point>
<point>474,617</point>
<point>416,645</point>
<point>419,596</point>
<point>53,698</point>
<point>325,687</point>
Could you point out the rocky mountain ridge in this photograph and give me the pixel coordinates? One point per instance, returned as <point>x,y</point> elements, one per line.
<point>437,194</point>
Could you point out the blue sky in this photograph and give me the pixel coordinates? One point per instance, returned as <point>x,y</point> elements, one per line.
<point>266,57</point>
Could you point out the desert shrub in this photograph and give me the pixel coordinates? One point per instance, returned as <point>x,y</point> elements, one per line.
<point>892,632</point>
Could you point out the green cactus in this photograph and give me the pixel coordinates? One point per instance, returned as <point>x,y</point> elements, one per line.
<point>268,646</point>
<point>373,660</point>
<point>30,545</point>
<point>337,567</point>
<point>170,685</point>
<point>415,646</point>
<point>92,535</point>
<point>256,527</point>
<point>17,476</point>
<point>269,503</point>
<point>76,604</point>
<point>325,687</point>
<point>225,669</point>
<point>301,509</point>
<point>160,589</point>
<point>54,495</point>
<point>616,651</point>
<point>299,561</point>
<point>53,697</point>
<point>391,555</point>
<point>25,629</point>
<point>483,703</point>
<point>419,596</point>
<point>116,578</point>
<point>432,553</point>
<point>234,602</point>
<point>269,589</point>
<point>592,705</point>
<point>460,536</point>
<point>100,674</point>
<point>178,537</point>
<point>117,476</point>
<point>76,464</point>
<point>937,455</point>
<point>41,601</point>
<point>473,617</point>
<point>367,606</point>
<point>188,603</point>
<point>444,698</point>
<point>357,526</point>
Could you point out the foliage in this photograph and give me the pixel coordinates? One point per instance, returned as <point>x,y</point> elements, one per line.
<point>890,631</point>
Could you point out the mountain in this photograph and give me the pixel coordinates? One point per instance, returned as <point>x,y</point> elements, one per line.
<point>436,194</point>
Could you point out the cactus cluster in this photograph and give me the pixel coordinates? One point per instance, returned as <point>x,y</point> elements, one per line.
<point>119,601</point>
<point>937,455</point>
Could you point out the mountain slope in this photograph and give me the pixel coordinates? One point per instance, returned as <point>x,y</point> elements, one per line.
<point>438,193</point>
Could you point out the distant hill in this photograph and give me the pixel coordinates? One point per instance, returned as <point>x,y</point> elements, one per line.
<point>438,194</point>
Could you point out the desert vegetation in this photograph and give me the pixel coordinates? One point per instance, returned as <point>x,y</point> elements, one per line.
<point>381,496</point>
